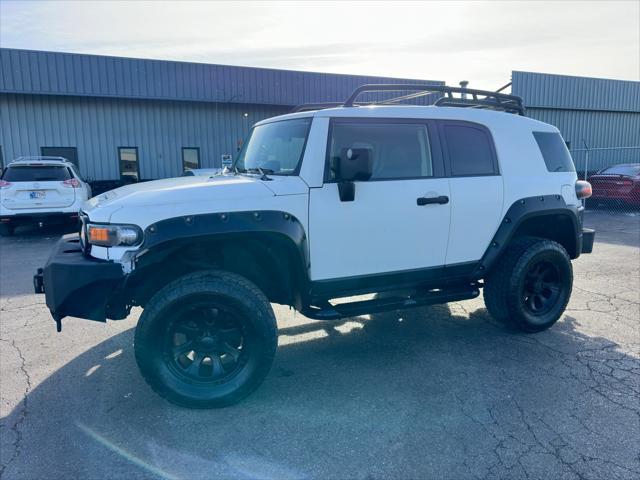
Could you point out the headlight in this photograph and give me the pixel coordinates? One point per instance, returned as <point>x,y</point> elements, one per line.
<point>114,235</point>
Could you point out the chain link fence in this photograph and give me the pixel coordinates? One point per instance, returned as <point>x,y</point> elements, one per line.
<point>592,160</point>
<point>615,182</point>
<point>613,176</point>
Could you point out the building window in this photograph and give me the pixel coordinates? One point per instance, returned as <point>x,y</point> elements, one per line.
<point>129,167</point>
<point>190,158</point>
<point>69,153</point>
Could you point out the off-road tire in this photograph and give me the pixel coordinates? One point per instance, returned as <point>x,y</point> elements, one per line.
<point>225,288</point>
<point>505,287</point>
<point>6,230</point>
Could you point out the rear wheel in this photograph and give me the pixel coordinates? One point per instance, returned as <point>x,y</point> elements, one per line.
<point>206,340</point>
<point>530,286</point>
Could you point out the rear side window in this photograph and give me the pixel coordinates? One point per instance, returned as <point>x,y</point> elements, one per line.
<point>44,173</point>
<point>470,150</point>
<point>554,151</point>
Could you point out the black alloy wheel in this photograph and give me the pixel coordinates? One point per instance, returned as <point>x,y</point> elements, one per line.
<point>542,288</point>
<point>206,342</point>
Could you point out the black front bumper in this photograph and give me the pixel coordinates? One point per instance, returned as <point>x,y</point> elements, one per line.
<point>78,286</point>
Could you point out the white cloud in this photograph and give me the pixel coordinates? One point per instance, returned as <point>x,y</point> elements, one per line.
<point>480,42</point>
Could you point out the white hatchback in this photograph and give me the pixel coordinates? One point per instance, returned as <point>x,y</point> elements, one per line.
<point>40,190</point>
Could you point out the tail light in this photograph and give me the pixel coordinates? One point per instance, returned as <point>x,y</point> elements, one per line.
<point>4,184</point>
<point>71,183</point>
<point>583,189</point>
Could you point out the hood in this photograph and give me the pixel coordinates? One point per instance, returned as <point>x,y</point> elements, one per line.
<point>173,191</point>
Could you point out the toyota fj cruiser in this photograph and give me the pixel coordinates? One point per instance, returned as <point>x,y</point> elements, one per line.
<point>432,202</point>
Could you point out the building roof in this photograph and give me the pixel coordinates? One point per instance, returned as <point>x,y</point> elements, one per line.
<point>543,90</point>
<point>53,73</point>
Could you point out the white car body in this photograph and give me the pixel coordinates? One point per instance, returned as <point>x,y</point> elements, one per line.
<point>26,197</point>
<point>438,235</point>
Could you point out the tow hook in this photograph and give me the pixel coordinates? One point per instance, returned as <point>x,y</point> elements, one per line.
<point>38,283</point>
<point>58,320</point>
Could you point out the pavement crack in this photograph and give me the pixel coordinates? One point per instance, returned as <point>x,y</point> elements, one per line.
<point>17,444</point>
<point>21,307</point>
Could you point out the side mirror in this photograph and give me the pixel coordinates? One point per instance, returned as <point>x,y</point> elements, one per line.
<point>354,164</point>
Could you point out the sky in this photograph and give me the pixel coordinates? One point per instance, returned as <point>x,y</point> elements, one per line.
<point>477,41</point>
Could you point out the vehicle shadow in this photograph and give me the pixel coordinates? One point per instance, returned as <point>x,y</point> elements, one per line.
<point>45,231</point>
<point>434,392</point>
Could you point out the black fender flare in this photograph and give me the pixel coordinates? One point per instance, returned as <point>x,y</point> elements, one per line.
<point>169,236</point>
<point>521,211</point>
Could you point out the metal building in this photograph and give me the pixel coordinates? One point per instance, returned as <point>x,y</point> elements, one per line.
<point>120,117</point>
<point>599,119</point>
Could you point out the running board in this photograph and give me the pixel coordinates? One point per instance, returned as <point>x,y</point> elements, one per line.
<point>327,311</point>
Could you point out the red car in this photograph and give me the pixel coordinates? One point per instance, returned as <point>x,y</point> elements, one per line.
<point>619,183</point>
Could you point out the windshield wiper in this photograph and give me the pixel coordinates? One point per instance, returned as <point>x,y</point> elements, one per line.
<point>262,171</point>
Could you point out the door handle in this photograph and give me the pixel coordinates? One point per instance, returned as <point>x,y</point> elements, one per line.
<point>441,200</point>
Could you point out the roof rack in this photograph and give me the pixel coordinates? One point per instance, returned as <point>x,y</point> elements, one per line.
<point>306,107</point>
<point>468,97</point>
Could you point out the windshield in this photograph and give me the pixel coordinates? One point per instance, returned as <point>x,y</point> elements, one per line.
<point>630,170</point>
<point>30,173</point>
<point>276,147</point>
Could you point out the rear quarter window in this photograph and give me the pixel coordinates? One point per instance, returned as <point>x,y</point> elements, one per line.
<point>44,173</point>
<point>470,149</point>
<point>554,152</point>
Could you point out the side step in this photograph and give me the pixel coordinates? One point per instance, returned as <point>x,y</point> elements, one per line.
<point>327,311</point>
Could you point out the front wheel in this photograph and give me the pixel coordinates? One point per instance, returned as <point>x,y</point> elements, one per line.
<point>206,340</point>
<point>530,286</point>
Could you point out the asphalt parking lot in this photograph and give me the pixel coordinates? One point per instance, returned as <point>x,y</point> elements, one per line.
<point>438,392</point>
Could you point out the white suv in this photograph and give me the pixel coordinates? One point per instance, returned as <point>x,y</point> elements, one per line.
<point>40,190</point>
<point>428,204</point>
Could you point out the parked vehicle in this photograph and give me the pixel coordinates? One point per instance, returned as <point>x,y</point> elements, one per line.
<point>201,171</point>
<point>430,203</point>
<point>617,184</point>
<point>40,190</point>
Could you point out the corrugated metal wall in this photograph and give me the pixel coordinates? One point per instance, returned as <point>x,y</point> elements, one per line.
<point>601,113</point>
<point>97,104</point>
<point>566,92</point>
<point>51,73</point>
<point>98,126</point>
